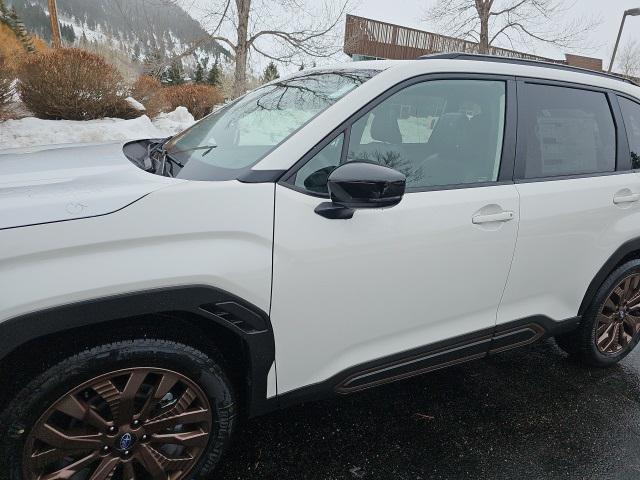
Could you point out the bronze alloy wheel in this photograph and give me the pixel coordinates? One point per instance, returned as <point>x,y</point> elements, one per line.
<point>133,424</point>
<point>618,321</point>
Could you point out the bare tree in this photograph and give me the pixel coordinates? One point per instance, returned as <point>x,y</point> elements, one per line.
<point>55,26</point>
<point>281,30</point>
<point>514,22</point>
<point>629,59</point>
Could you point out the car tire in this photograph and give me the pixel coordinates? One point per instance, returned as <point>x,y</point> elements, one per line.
<point>610,327</point>
<point>123,403</point>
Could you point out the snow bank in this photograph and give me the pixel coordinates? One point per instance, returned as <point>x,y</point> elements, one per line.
<point>136,105</point>
<point>30,131</point>
<point>175,121</point>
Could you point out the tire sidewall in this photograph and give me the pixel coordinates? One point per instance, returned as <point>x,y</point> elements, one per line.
<point>32,401</point>
<point>599,358</point>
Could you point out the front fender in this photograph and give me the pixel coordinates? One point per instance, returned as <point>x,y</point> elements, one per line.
<point>216,236</point>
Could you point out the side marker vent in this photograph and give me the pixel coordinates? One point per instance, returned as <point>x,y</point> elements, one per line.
<point>237,315</point>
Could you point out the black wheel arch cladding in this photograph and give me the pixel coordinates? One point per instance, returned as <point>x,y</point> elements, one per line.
<point>206,303</point>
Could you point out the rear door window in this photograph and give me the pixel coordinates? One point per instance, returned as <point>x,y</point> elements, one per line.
<point>631,115</point>
<point>565,131</point>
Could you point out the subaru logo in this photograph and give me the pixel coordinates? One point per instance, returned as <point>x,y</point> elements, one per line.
<point>126,441</point>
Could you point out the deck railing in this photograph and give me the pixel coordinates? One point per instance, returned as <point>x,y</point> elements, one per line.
<point>372,38</point>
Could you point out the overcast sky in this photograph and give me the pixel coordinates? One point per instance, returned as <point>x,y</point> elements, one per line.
<point>412,13</point>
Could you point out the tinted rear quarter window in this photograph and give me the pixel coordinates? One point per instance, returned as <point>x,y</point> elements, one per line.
<point>566,131</point>
<point>631,115</point>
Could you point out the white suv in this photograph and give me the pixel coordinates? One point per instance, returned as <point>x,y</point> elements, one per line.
<point>326,233</point>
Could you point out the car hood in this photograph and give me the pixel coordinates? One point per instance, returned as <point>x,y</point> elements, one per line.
<point>65,182</point>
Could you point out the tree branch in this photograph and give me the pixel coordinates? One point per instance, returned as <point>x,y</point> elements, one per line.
<point>509,9</point>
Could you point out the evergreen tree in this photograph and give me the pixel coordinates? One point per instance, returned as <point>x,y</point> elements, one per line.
<point>4,13</point>
<point>301,67</point>
<point>67,34</point>
<point>136,52</point>
<point>215,75</point>
<point>198,76</point>
<point>270,73</point>
<point>13,21</point>
<point>174,75</point>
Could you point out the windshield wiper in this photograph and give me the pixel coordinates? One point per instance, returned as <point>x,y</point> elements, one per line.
<point>167,159</point>
<point>208,148</point>
<point>157,153</point>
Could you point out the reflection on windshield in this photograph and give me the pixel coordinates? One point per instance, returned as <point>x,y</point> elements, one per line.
<point>228,142</point>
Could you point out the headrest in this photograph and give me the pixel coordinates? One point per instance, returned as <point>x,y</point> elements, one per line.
<point>449,132</point>
<point>384,127</point>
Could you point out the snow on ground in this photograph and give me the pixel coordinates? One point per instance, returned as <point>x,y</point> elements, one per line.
<point>174,122</point>
<point>30,131</point>
<point>136,105</point>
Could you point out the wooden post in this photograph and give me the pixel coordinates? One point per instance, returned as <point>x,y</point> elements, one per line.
<point>55,26</point>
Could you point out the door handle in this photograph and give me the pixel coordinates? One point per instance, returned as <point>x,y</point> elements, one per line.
<point>626,198</point>
<point>504,216</point>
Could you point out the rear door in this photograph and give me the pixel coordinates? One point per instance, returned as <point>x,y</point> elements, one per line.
<point>578,197</point>
<point>631,115</point>
<point>355,302</point>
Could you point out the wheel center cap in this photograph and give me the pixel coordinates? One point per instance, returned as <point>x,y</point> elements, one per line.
<point>126,441</point>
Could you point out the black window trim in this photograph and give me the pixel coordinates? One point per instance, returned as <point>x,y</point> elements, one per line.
<point>507,160</point>
<point>624,125</point>
<point>623,155</point>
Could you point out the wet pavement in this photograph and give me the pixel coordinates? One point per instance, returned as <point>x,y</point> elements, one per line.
<point>526,414</point>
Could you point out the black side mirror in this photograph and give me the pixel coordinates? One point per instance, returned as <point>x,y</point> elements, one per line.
<point>317,182</point>
<point>361,185</point>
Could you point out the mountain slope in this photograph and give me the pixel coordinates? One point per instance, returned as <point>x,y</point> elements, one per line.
<point>136,27</point>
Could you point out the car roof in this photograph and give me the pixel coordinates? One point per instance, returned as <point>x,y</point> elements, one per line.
<point>494,65</point>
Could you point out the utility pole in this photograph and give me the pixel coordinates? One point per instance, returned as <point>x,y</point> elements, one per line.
<point>55,26</point>
<point>634,12</point>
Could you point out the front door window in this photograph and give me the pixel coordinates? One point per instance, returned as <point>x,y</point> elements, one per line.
<point>438,133</point>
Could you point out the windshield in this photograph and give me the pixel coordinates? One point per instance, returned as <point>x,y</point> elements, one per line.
<point>230,141</point>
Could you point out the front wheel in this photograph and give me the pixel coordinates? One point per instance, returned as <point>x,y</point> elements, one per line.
<point>133,410</point>
<point>610,327</point>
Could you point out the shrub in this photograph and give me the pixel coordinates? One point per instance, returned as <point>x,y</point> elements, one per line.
<point>114,57</point>
<point>199,99</point>
<point>71,84</point>
<point>148,91</point>
<point>6,89</point>
<point>6,94</point>
<point>12,50</point>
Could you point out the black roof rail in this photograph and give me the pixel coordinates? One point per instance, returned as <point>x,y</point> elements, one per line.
<point>522,61</point>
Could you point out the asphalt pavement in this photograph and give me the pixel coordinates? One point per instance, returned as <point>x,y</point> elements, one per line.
<point>526,414</point>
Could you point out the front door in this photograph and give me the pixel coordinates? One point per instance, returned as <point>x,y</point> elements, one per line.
<point>434,267</point>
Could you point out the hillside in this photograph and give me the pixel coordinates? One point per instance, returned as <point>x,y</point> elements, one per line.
<point>135,27</point>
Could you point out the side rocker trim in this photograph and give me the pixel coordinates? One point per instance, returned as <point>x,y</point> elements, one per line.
<point>241,318</point>
<point>432,357</point>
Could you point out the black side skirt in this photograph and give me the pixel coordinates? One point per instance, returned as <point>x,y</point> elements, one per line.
<point>433,357</point>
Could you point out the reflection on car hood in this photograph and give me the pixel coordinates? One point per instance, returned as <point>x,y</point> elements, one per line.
<point>65,182</point>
